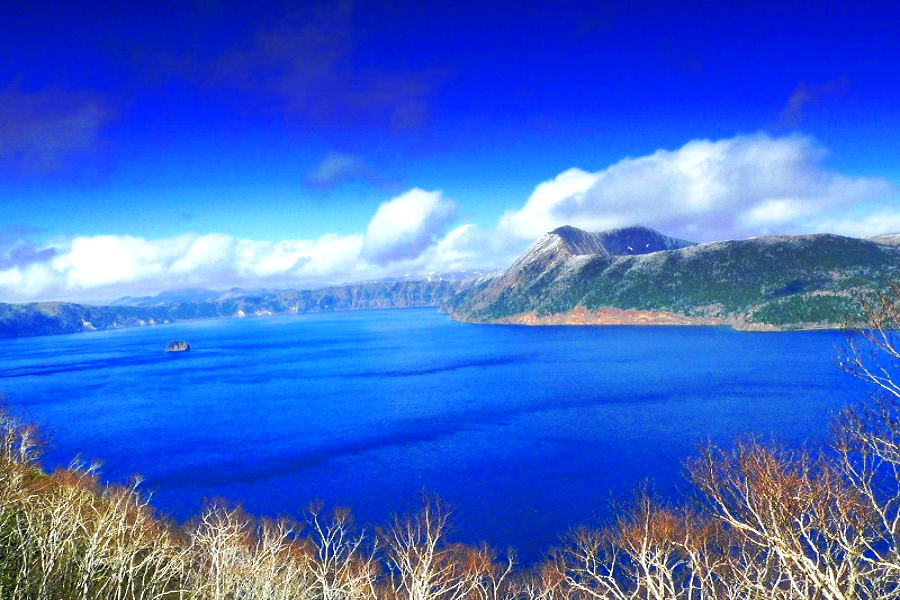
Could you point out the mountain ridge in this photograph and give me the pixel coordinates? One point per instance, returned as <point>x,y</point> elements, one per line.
<point>632,275</point>
<point>769,282</point>
<point>50,318</point>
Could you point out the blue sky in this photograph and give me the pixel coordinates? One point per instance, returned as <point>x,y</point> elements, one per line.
<point>278,125</point>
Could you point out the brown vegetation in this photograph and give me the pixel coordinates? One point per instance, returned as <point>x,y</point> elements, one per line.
<point>765,522</point>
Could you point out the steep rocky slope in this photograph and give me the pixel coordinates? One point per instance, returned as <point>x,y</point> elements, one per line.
<point>572,276</point>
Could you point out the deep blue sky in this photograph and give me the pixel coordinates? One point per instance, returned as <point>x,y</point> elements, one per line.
<point>213,117</point>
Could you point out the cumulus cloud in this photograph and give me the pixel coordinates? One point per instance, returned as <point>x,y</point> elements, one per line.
<point>705,190</point>
<point>104,266</point>
<point>405,226</point>
<point>404,233</point>
<point>862,224</point>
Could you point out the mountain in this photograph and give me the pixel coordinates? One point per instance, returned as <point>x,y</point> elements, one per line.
<point>633,275</point>
<point>887,239</point>
<point>199,296</point>
<point>637,240</point>
<point>182,296</point>
<point>636,275</point>
<point>46,318</point>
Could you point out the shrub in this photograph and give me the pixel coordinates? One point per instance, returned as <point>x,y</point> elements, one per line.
<point>765,522</point>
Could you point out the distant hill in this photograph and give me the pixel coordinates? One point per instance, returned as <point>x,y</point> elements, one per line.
<point>637,275</point>
<point>183,296</point>
<point>201,296</point>
<point>46,318</point>
<point>633,275</point>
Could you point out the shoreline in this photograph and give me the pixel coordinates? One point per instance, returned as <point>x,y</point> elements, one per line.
<point>578,316</point>
<point>581,316</point>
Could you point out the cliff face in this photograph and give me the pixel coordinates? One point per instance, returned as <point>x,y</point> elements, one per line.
<point>47,318</point>
<point>760,283</point>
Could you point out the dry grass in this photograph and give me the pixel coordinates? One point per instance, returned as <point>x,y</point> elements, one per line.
<point>765,523</point>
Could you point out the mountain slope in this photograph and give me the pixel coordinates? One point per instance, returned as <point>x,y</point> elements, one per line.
<point>769,282</point>
<point>638,240</point>
<point>47,318</point>
<point>557,253</point>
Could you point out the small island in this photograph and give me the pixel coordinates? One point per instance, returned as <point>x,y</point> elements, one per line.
<point>178,346</point>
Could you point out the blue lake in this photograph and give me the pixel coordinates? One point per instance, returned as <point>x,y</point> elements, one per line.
<point>524,431</point>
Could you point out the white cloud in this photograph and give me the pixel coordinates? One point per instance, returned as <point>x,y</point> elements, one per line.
<point>212,252</point>
<point>398,238</point>
<point>100,267</point>
<point>731,188</point>
<point>460,248</point>
<point>336,168</point>
<point>705,190</point>
<point>301,259</point>
<point>862,225</point>
<point>405,226</point>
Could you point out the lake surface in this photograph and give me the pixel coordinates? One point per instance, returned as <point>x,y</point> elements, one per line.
<point>524,431</point>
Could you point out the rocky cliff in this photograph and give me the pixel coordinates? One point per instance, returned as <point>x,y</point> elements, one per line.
<point>637,275</point>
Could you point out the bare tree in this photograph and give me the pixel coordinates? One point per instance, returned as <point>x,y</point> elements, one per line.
<point>769,523</point>
<point>651,552</point>
<point>867,437</point>
<point>343,567</point>
<point>421,564</point>
<point>811,527</point>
